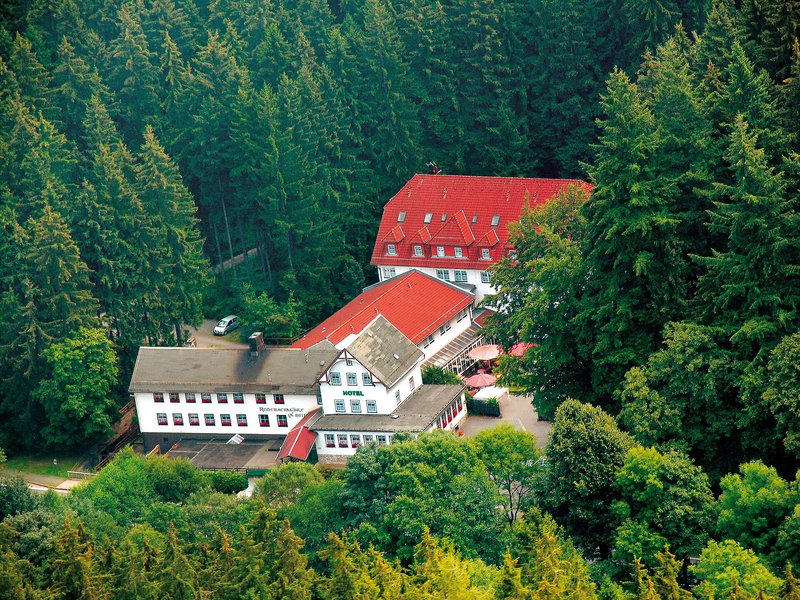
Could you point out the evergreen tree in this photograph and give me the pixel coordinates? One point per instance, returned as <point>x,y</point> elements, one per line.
<point>175,574</point>
<point>75,571</point>
<point>31,77</point>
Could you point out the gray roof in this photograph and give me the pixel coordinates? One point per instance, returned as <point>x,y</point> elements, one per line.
<point>275,370</point>
<point>417,413</point>
<point>385,351</point>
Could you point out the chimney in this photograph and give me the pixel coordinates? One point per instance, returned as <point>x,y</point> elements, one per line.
<point>256,341</point>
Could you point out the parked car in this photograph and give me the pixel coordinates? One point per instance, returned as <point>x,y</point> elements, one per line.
<point>226,325</point>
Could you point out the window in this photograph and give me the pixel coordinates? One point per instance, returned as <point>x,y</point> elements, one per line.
<point>209,419</point>
<point>177,418</point>
<point>348,362</point>
<point>241,420</point>
<point>263,420</point>
<point>194,419</point>
<point>222,398</point>
<point>397,397</point>
<point>458,253</point>
<point>366,378</point>
<point>428,341</point>
<point>401,217</point>
<point>339,405</point>
<point>261,398</point>
<point>174,397</point>
<point>278,398</point>
<point>391,249</point>
<point>485,254</point>
<point>158,396</point>
<point>389,272</point>
<point>367,438</point>
<point>372,406</point>
<point>283,421</point>
<point>428,217</point>
<point>461,314</point>
<point>443,274</point>
<point>225,420</point>
<point>336,378</point>
<point>205,397</point>
<point>417,250</point>
<point>190,397</point>
<point>439,251</point>
<point>319,399</point>
<point>495,220</point>
<point>484,276</point>
<point>355,440</point>
<point>352,379</point>
<point>512,254</point>
<point>355,405</point>
<point>411,384</point>
<point>460,275</point>
<point>162,418</point>
<point>444,217</point>
<point>238,398</point>
<point>329,441</point>
<point>474,218</point>
<point>444,328</point>
<point>342,439</point>
<point>381,439</point>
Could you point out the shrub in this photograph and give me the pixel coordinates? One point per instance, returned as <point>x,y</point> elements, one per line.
<point>489,407</point>
<point>227,482</point>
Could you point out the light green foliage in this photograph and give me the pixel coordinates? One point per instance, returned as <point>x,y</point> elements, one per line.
<point>725,567</point>
<point>512,459</point>
<point>282,486</point>
<point>583,455</point>
<point>15,497</point>
<point>317,512</point>
<point>431,374</point>
<point>174,479</point>
<point>665,500</point>
<point>227,482</point>
<point>753,505</point>
<point>262,313</point>
<point>79,393</point>
<point>781,390</point>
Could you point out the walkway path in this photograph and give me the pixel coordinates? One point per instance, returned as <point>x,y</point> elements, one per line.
<point>42,483</point>
<point>517,411</point>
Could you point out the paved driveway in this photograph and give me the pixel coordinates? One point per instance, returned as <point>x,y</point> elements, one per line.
<point>516,410</point>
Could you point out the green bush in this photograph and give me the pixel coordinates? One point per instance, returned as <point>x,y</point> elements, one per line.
<point>227,482</point>
<point>489,407</point>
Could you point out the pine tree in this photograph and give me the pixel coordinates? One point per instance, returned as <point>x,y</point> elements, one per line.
<point>510,586</point>
<point>75,573</point>
<point>175,575</point>
<point>31,77</point>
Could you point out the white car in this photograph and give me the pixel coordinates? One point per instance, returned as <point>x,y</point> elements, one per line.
<point>226,325</point>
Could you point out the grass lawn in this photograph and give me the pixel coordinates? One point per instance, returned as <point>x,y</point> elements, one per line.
<point>43,465</point>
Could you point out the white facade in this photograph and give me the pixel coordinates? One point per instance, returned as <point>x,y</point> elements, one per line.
<point>480,279</point>
<point>446,332</point>
<point>220,413</point>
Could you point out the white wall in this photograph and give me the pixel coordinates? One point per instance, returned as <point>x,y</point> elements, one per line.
<point>440,341</point>
<point>473,278</point>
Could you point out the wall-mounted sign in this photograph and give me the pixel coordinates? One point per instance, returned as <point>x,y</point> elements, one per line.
<point>281,409</point>
<point>352,393</point>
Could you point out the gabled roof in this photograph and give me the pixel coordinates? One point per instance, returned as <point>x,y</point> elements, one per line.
<point>469,205</point>
<point>385,351</point>
<point>300,439</point>
<point>415,303</point>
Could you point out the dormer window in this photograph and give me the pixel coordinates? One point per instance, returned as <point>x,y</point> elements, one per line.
<point>495,220</point>
<point>391,249</point>
<point>485,254</point>
<point>401,217</point>
<point>440,251</point>
<point>428,217</point>
<point>474,219</point>
<point>444,217</point>
<point>458,253</point>
<point>417,250</point>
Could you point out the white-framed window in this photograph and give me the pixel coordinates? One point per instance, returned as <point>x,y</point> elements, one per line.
<point>389,272</point>
<point>177,418</point>
<point>460,275</point>
<point>158,396</point>
<point>368,437</point>
<point>417,250</point>
<point>278,399</point>
<point>339,404</point>
<point>458,253</point>
<point>319,398</point>
<point>263,420</point>
<point>342,439</point>
<point>428,341</point>
<point>428,218</point>
<point>484,276</point>
<point>162,418</point>
<point>444,217</point>
<point>411,383</point>
<point>222,398</point>
<point>355,405</point>
<point>461,314</point>
<point>401,217</point>
<point>194,419</point>
<point>283,421</point>
<point>336,378</point>
<point>474,218</point>
<point>209,419</point>
<point>382,440</point>
<point>190,397</point>
<point>174,397</point>
<point>261,398</point>
<point>330,441</point>
<point>440,251</point>
<point>485,254</point>
<point>355,440</point>
<point>372,406</point>
<point>391,249</point>
<point>366,378</point>
<point>348,362</point>
<point>241,420</point>
<point>352,379</point>
<point>443,274</point>
<point>397,397</point>
<point>495,220</point>
<point>225,420</point>
<point>205,397</point>
<point>445,327</point>
<point>238,397</point>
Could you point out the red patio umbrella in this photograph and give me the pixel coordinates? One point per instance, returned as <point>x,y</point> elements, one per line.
<point>480,380</point>
<point>519,348</point>
<point>485,352</point>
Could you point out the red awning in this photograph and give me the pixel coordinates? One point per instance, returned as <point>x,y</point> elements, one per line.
<point>299,440</point>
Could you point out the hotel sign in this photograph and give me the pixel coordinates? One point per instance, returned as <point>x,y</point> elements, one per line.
<point>352,393</point>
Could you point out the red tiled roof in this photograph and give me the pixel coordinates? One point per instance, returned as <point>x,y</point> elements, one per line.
<point>468,203</point>
<point>299,440</point>
<point>415,303</point>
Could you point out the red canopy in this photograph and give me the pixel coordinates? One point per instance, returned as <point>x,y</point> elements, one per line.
<point>519,348</point>
<point>299,440</point>
<point>485,352</point>
<point>481,380</point>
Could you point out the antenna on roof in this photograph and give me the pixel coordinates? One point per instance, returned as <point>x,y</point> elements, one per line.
<point>434,169</point>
